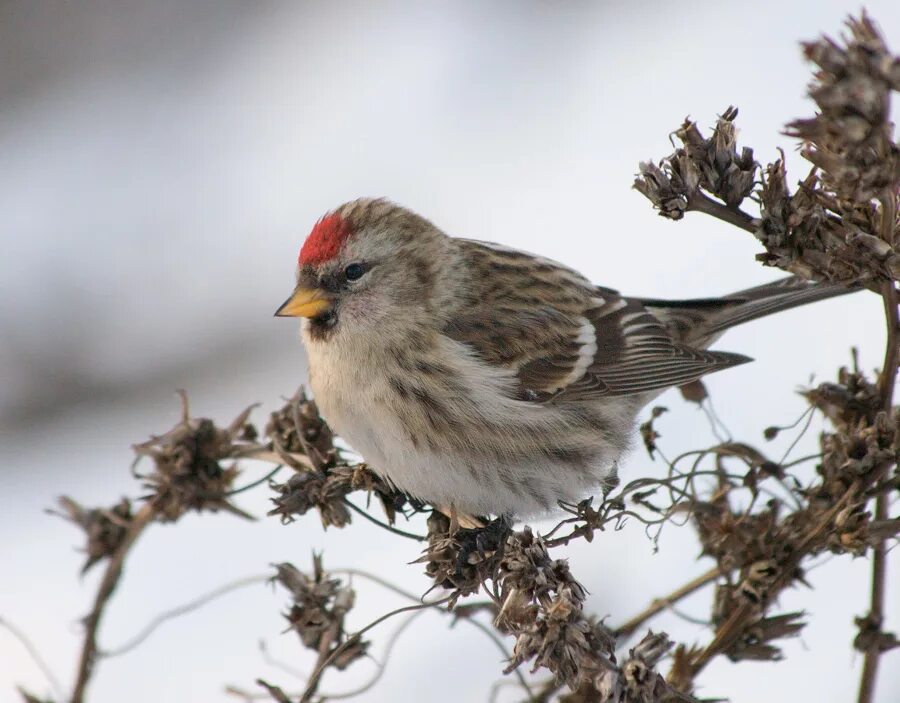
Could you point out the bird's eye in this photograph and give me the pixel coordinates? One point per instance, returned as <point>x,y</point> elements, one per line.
<point>354,271</point>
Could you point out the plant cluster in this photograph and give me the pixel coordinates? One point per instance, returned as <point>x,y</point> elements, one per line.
<point>761,520</point>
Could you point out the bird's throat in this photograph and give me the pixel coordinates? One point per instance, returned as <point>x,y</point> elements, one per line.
<point>322,327</point>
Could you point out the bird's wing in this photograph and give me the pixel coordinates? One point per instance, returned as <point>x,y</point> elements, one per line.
<point>563,336</point>
<point>636,354</point>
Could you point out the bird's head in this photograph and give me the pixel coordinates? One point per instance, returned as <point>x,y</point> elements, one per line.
<point>366,261</point>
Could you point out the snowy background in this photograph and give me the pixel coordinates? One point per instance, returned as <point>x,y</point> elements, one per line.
<point>161,163</point>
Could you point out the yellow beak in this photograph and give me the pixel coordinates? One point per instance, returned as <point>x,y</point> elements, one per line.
<point>304,302</point>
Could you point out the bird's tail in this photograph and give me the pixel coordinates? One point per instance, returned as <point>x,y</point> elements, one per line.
<point>701,321</point>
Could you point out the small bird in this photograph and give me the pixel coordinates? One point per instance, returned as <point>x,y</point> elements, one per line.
<point>486,380</point>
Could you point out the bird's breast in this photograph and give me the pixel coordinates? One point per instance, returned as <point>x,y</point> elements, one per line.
<point>348,390</point>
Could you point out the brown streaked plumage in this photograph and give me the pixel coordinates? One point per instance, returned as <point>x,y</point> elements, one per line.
<point>490,380</point>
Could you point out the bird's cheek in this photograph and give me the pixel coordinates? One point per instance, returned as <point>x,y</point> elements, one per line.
<point>364,309</point>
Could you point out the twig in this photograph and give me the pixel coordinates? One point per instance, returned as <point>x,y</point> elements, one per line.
<point>545,692</point>
<point>313,682</point>
<point>715,423</point>
<point>506,655</point>
<point>889,372</point>
<point>262,454</point>
<point>699,202</point>
<point>383,525</point>
<point>35,657</point>
<point>278,664</point>
<point>886,386</point>
<point>498,686</point>
<point>375,578</point>
<point>733,627</point>
<point>177,611</point>
<point>107,585</point>
<point>659,604</point>
<point>274,691</point>
<point>876,609</point>
<point>382,665</point>
<point>257,482</point>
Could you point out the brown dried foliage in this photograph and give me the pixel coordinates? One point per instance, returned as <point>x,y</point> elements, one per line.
<point>187,460</point>
<point>761,521</point>
<point>318,608</point>
<point>105,528</point>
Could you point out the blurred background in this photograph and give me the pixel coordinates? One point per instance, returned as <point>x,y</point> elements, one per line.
<point>162,162</point>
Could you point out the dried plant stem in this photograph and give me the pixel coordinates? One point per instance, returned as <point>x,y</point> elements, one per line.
<point>273,457</point>
<point>889,372</point>
<point>35,655</point>
<point>107,585</point>
<point>728,632</point>
<point>547,691</point>
<point>383,525</point>
<point>180,610</point>
<point>876,609</point>
<point>889,295</point>
<point>382,665</point>
<point>699,202</point>
<point>313,683</point>
<point>887,382</point>
<point>660,604</point>
<point>489,633</point>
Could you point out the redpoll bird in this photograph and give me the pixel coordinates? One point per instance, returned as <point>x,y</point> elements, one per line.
<point>488,380</point>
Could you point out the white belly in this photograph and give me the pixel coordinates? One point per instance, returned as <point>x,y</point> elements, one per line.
<point>355,400</point>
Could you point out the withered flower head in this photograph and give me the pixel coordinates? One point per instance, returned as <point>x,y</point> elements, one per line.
<point>462,561</point>
<point>712,165</point>
<point>834,226</point>
<point>543,607</point>
<point>319,604</point>
<point>851,137</point>
<point>105,527</point>
<point>188,473</point>
<point>643,684</point>
<point>307,490</point>
<point>298,427</point>
<point>756,642</point>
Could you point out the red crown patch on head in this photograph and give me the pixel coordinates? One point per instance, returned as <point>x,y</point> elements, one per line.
<point>325,240</point>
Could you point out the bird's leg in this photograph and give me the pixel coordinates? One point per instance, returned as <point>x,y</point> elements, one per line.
<point>460,520</point>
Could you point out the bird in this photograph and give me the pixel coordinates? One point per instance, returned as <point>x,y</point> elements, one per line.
<point>485,380</point>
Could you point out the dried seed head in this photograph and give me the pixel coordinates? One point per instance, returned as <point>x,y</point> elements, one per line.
<point>326,490</point>
<point>642,682</point>
<point>105,527</point>
<point>307,490</point>
<point>713,165</point>
<point>756,641</point>
<point>665,190</point>
<point>464,560</point>
<point>319,605</point>
<point>851,137</point>
<point>188,472</point>
<point>297,427</point>
<point>872,636</point>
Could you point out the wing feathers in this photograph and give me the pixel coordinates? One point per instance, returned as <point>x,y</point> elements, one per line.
<point>567,339</point>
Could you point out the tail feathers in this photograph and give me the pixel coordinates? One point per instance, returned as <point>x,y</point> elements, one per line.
<point>767,299</point>
<point>702,321</point>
